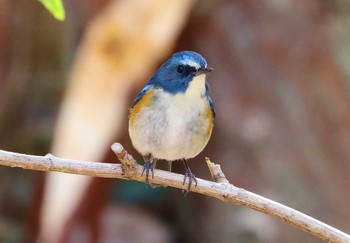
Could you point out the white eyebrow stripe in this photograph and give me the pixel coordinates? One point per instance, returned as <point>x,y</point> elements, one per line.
<point>191,63</point>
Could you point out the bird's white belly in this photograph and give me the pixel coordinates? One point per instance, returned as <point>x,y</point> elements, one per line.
<point>176,128</point>
<point>186,134</point>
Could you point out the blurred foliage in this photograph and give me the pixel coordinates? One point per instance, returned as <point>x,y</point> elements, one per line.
<point>55,7</point>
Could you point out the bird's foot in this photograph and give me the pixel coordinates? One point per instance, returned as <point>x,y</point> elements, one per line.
<point>191,178</point>
<point>147,167</point>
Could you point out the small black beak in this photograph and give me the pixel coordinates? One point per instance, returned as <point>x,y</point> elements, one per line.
<point>204,70</point>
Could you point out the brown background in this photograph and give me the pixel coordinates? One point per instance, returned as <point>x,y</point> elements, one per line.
<point>281,91</point>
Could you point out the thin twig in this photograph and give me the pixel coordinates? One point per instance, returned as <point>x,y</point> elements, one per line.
<point>130,170</point>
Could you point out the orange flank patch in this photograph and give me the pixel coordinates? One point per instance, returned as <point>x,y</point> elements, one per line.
<point>210,116</point>
<point>145,101</point>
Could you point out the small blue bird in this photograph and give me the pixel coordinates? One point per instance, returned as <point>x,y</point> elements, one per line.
<point>172,117</point>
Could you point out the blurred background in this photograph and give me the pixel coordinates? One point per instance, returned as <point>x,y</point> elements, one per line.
<point>282,130</point>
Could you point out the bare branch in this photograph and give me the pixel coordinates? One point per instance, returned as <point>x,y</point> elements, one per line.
<point>223,190</point>
<point>216,172</point>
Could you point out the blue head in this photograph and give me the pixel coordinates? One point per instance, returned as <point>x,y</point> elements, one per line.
<point>175,74</point>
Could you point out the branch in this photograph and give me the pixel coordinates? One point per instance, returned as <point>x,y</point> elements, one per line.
<point>222,189</point>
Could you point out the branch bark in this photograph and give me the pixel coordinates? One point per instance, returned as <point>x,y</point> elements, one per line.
<point>222,190</point>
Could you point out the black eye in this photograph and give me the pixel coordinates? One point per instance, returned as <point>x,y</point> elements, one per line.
<point>181,69</point>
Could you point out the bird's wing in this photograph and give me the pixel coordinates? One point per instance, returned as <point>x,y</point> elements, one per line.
<point>211,103</point>
<point>142,94</point>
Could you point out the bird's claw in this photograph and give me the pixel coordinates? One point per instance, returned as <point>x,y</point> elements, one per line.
<point>191,178</point>
<point>148,166</point>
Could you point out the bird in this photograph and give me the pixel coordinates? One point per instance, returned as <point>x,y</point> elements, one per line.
<point>172,118</point>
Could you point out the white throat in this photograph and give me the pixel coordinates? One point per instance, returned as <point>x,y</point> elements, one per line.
<point>196,87</point>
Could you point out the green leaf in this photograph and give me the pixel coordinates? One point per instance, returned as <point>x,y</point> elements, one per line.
<point>55,7</point>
